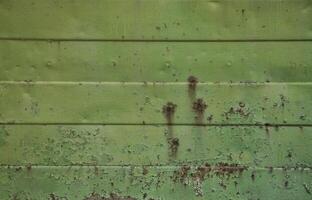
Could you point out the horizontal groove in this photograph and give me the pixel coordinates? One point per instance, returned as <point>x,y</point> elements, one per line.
<point>154,124</point>
<point>242,83</point>
<point>150,40</point>
<point>213,167</point>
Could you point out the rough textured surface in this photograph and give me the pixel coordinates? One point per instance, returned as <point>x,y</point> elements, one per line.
<point>105,145</point>
<point>155,99</point>
<point>82,183</point>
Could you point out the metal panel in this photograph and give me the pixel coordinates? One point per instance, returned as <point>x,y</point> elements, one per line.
<point>155,145</point>
<point>157,19</point>
<point>176,182</point>
<point>155,99</point>
<point>156,61</point>
<point>149,103</point>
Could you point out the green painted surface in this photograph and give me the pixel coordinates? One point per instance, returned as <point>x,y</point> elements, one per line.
<point>150,145</point>
<point>86,86</point>
<point>156,61</point>
<point>156,19</point>
<point>153,183</point>
<point>139,103</point>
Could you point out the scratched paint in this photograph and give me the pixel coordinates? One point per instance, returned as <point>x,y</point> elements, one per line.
<point>129,100</point>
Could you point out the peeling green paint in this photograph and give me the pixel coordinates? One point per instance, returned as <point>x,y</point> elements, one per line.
<point>155,99</point>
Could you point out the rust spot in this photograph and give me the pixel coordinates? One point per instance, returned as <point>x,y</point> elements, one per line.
<point>221,169</point>
<point>54,197</point>
<point>18,169</point>
<point>199,106</point>
<point>192,83</point>
<point>228,169</point>
<point>201,172</point>
<point>145,170</point>
<point>169,110</point>
<point>238,110</point>
<point>28,167</point>
<point>182,174</point>
<point>173,145</point>
<point>195,177</point>
<point>286,183</point>
<point>253,176</point>
<point>95,196</point>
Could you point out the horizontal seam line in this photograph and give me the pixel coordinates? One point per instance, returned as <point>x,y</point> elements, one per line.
<point>150,40</point>
<point>159,124</point>
<point>242,83</point>
<point>158,166</point>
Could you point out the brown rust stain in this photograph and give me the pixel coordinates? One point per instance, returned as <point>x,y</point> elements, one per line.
<point>192,83</point>
<point>173,146</point>
<point>201,172</point>
<point>238,110</point>
<point>199,107</point>
<point>173,143</point>
<point>55,197</point>
<point>195,177</point>
<point>169,110</point>
<point>95,196</point>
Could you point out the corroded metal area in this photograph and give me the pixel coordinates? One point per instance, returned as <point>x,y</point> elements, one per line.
<point>155,99</point>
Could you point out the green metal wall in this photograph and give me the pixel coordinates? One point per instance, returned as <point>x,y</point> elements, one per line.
<point>155,99</point>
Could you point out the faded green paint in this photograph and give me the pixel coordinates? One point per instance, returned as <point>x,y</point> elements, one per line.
<point>105,145</point>
<point>139,103</point>
<point>153,182</point>
<point>107,99</point>
<point>156,61</point>
<point>156,19</point>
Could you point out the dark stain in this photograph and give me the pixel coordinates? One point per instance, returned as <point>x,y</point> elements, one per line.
<point>95,196</point>
<point>222,185</point>
<point>145,170</point>
<point>169,110</point>
<point>187,175</point>
<point>270,169</point>
<point>289,155</point>
<point>28,167</point>
<point>228,169</point>
<point>253,176</point>
<point>286,183</point>
<point>238,110</point>
<point>221,170</point>
<point>283,100</point>
<point>173,146</point>
<point>199,107</point>
<point>182,174</point>
<point>201,172</point>
<point>55,197</point>
<point>173,143</point>
<point>267,128</point>
<point>18,169</point>
<point>307,189</point>
<point>192,83</point>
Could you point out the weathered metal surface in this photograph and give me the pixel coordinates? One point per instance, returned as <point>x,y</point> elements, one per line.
<point>141,103</point>
<point>156,61</point>
<point>106,99</point>
<point>151,145</point>
<point>175,182</point>
<point>157,19</point>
